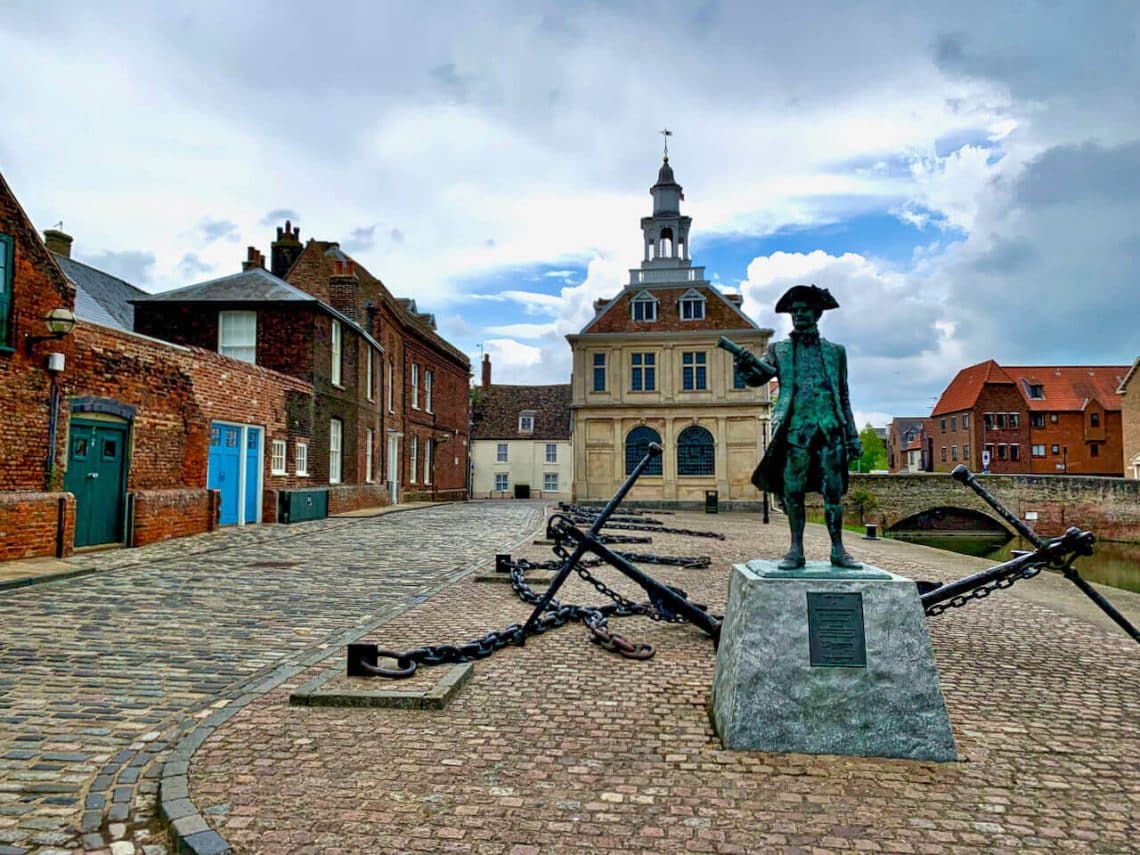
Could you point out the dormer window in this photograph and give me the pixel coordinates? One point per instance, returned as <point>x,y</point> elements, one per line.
<point>644,307</point>
<point>692,305</point>
<point>1035,391</point>
<point>526,421</point>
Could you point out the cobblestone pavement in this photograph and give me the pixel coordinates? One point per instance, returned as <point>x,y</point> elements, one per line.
<point>100,674</point>
<point>559,746</point>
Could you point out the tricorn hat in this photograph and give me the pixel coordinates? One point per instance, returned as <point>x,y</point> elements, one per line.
<point>813,295</point>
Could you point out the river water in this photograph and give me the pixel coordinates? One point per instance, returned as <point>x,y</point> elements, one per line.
<point>1115,564</point>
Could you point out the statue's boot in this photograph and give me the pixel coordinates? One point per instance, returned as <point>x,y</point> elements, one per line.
<point>841,558</point>
<point>794,560</point>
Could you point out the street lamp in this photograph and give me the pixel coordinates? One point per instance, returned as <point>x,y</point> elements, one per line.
<point>60,322</point>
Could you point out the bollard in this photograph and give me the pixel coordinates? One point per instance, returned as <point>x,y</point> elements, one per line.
<point>872,532</point>
<point>503,563</point>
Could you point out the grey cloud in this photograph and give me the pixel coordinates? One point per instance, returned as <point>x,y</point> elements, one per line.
<point>191,266</point>
<point>455,84</point>
<point>278,215</point>
<point>1005,256</point>
<point>134,266</point>
<point>361,239</point>
<point>214,230</point>
<point>396,235</point>
<point>1086,172</point>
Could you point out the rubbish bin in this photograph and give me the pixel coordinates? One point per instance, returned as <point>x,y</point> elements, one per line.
<point>711,499</point>
<point>522,491</point>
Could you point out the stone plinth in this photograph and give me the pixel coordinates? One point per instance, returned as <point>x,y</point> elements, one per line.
<point>873,688</point>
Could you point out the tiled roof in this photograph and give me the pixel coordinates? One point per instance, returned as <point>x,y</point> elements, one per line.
<point>915,444</point>
<point>100,297</point>
<point>256,285</point>
<point>1127,377</point>
<point>1070,387</point>
<point>496,412</point>
<point>967,384</point>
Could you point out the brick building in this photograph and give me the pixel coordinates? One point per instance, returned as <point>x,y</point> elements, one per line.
<point>1129,392</point>
<point>905,437</point>
<point>520,440</point>
<point>1046,420</point>
<point>107,435</point>
<point>647,369</point>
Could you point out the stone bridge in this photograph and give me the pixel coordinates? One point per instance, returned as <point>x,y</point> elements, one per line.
<point>1110,507</point>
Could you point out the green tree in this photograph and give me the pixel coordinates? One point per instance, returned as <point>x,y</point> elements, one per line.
<point>862,502</point>
<point>874,452</point>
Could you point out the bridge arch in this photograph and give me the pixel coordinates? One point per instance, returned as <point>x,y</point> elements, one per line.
<point>950,519</point>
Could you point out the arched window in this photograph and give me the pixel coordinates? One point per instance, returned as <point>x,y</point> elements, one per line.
<point>695,453</point>
<point>637,446</point>
<point>665,244</point>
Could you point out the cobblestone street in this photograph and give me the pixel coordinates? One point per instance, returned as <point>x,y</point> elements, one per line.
<point>100,674</point>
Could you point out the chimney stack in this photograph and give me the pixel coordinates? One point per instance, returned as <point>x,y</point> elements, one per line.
<point>486,371</point>
<point>58,242</point>
<point>285,250</point>
<point>253,259</point>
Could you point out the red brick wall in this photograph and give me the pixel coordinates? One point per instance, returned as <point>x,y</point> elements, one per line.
<point>1130,423</point>
<point>163,514</point>
<point>29,524</point>
<point>1072,431</point>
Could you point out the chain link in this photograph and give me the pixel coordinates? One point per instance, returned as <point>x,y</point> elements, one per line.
<point>983,591</point>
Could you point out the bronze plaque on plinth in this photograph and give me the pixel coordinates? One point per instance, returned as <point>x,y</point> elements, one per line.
<point>835,630</point>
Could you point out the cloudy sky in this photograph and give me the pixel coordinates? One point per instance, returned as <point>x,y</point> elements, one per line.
<point>964,177</point>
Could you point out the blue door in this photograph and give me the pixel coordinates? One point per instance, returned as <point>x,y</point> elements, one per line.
<point>252,470</point>
<point>223,472</point>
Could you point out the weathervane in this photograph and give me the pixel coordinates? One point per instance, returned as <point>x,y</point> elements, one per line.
<point>665,132</point>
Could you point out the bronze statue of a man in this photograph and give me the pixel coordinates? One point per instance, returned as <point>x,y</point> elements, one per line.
<point>813,429</point>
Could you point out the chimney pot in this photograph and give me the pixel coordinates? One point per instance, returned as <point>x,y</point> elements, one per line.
<point>486,371</point>
<point>58,242</point>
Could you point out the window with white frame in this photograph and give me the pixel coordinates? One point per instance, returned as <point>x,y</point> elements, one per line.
<point>427,459</point>
<point>277,458</point>
<point>369,438</point>
<point>237,336</point>
<point>644,307</point>
<point>551,452</point>
<point>415,386</point>
<point>692,305</point>
<point>413,459</point>
<point>526,421</point>
<point>336,438</point>
<point>391,386</point>
<point>428,380</point>
<point>368,372</point>
<point>642,372</point>
<point>501,481</point>
<point>301,457</point>
<point>501,453</point>
<point>337,354</point>
<point>550,482</point>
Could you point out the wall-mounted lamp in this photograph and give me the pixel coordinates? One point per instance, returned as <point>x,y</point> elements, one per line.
<point>59,322</point>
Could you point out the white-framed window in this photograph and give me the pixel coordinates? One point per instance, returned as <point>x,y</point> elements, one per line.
<point>335,373</point>
<point>368,372</point>
<point>429,378</point>
<point>301,457</point>
<point>1039,450</point>
<point>369,439</point>
<point>427,460</point>
<point>414,459</point>
<point>277,458</point>
<point>551,452</point>
<point>550,482</point>
<point>692,305</point>
<point>642,372</point>
<point>391,387</point>
<point>237,336</point>
<point>501,453</point>
<point>643,307</point>
<point>415,386</point>
<point>336,438</point>
<point>502,479</point>
<point>526,421</point>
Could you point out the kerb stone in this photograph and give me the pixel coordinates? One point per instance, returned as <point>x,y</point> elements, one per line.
<point>768,696</point>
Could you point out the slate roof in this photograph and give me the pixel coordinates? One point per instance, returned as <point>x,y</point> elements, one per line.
<point>1066,387</point>
<point>256,285</point>
<point>100,297</point>
<point>496,412</point>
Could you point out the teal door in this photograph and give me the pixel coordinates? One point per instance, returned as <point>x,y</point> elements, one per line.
<point>96,475</point>
<point>223,469</point>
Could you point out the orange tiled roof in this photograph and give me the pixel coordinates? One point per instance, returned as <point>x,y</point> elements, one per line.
<point>915,444</point>
<point>1070,387</point>
<point>967,384</point>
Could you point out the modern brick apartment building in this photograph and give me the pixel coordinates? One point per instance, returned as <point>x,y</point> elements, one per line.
<point>1047,420</point>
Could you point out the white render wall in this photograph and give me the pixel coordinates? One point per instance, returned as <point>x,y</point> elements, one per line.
<point>526,464</point>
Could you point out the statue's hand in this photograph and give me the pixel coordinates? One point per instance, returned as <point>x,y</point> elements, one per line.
<point>854,448</point>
